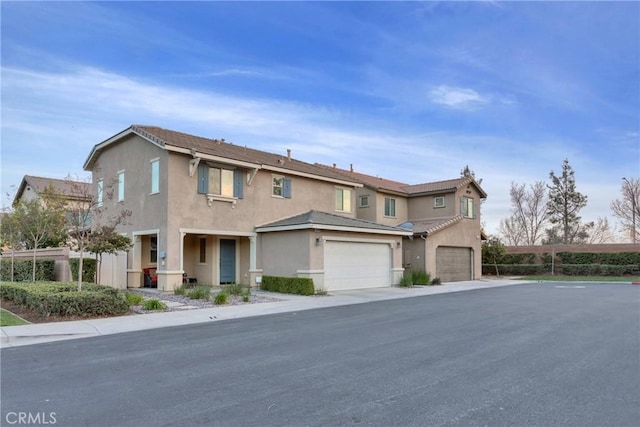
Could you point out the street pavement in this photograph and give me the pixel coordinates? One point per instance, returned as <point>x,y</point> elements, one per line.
<point>13,336</point>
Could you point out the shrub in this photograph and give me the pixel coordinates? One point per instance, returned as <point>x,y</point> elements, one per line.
<point>63,299</point>
<point>23,271</point>
<point>246,295</point>
<point>133,299</point>
<point>88,269</point>
<point>154,304</point>
<point>198,292</point>
<point>321,291</point>
<point>436,281</point>
<point>180,289</point>
<point>420,277</point>
<point>406,281</point>
<point>288,285</point>
<point>234,289</point>
<point>221,298</point>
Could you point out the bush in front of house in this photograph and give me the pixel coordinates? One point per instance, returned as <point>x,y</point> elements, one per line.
<point>23,271</point>
<point>288,285</point>
<point>198,292</point>
<point>221,298</point>
<point>63,299</point>
<point>420,277</point>
<point>406,281</point>
<point>154,304</point>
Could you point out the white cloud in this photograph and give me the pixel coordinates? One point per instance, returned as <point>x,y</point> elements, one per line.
<point>457,98</point>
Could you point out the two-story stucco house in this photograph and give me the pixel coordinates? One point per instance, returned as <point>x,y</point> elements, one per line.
<point>207,210</point>
<point>444,217</point>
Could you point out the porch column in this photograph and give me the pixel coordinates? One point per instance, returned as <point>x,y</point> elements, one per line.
<point>134,274</point>
<point>254,273</point>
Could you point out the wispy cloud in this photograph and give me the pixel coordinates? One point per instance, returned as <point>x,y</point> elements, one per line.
<point>457,98</point>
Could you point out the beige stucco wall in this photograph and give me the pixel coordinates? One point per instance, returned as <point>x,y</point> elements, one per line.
<point>375,211</point>
<point>422,207</point>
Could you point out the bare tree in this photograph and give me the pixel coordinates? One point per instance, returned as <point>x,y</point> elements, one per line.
<point>601,232</point>
<point>529,210</point>
<point>628,208</point>
<point>511,232</point>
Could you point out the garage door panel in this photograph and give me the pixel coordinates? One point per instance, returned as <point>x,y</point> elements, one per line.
<point>453,264</point>
<point>352,265</point>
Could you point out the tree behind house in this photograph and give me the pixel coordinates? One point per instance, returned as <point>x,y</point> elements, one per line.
<point>564,204</point>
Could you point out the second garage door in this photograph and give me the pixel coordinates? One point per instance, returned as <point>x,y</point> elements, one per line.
<point>351,265</point>
<point>453,264</point>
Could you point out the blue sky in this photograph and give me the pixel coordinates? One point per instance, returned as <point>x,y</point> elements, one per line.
<point>410,91</point>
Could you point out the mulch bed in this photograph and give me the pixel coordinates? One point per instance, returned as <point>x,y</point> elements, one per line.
<point>34,317</point>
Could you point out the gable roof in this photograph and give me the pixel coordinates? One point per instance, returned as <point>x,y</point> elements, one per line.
<point>326,221</point>
<point>388,186</point>
<point>221,151</point>
<point>449,185</point>
<point>71,190</point>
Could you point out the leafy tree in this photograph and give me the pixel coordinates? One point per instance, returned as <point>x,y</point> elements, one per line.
<point>492,252</point>
<point>38,221</point>
<point>624,208</point>
<point>105,240</point>
<point>10,235</point>
<point>564,204</point>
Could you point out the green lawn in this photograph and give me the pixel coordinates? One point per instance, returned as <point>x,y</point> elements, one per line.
<point>7,318</point>
<point>583,278</point>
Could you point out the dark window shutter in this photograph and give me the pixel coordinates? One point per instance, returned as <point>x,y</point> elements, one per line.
<point>286,188</point>
<point>238,176</point>
<point>203,179</point>
<point>463,207</point>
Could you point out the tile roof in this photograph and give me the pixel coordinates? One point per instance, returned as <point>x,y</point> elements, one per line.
<point>375,182</point>
<point>318,218</point>
<point>443,186</point>
<point>227,150</point>
<point>387,185</point>
<point>432,225</point>
<point>72,190</point>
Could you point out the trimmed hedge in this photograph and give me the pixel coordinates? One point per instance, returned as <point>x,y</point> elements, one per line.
<point>288,285</point>
<point>516,269</point>
<point>88,269</point>
<point>598,270</point>
<point>614,258</point>
<point>63,299</point>
<point>23,270</point>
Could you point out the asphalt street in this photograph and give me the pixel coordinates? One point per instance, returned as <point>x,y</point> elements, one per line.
<point>530,355</point>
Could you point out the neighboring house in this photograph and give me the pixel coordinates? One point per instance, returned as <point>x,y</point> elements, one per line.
<point>206,210</point>
<point>444,217</point>
<point>72,194</point>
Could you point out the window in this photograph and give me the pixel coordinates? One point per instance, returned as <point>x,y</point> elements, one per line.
<point>155,176</point>
<point>281,187</point>
<point>120,186</point>
<point>467,207</point>
<point>343,200</point>
<point>100,192</point>
<point>389,207</point>
<point>364,201</point>
<point>438,202</point>
<point>153,249</point>
<point>220,182</point>
<point>203,250</point>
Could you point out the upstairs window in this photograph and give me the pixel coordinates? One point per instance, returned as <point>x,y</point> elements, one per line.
<point>343,199</point>
<point>364,201</point>
<point>281,187</point>
<point>389,207</point>
<point>153,249</point>
<point>220,182</point>
<point>120,186</point>
<point>155,176</point>
<point>467,207</point>
<point>438,202</point>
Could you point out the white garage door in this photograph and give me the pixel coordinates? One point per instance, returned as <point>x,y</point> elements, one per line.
<point>350,265</point>
<point>453,264</point>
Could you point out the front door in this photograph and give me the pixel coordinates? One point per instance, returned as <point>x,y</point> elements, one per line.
<point>227,261</point>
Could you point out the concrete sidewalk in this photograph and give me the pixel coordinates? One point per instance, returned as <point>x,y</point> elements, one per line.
<point>13,336</point>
